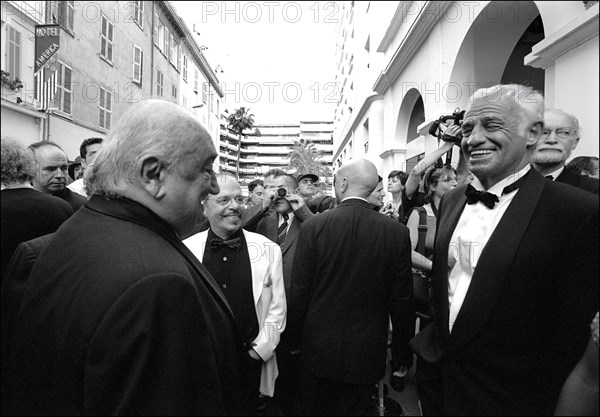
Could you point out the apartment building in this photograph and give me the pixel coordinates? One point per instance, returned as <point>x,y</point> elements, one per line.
<point>401,65</point>
<point>268,146</point>
<point>112,55</point>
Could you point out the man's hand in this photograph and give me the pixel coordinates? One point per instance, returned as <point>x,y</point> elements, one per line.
<point>295,201</point>
<point>453,134</point>
<point>269,197</point>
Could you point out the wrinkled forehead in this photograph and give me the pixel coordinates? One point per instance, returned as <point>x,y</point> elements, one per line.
<point>558,119</point>
<point>281,182</point>
<point>490,107</point>
<point>50,154</point>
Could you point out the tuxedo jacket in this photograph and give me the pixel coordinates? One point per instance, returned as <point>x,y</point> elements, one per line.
<point>568,176</point>
<point>352,269</point>
<point>125,321</point>
<point>268,294</point>
<point>269,226</point>
<point>524,322</point>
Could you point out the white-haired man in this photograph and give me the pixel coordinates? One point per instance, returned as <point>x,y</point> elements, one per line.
<point>516,270</point>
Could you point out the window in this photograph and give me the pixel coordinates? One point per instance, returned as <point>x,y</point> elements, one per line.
<point>178,57</point>
<point>138,60</point>
<point>196,80</point>
<point>185,68</point>
<point>204,92</point>
<point>157,30</point>
<point>105,105</point>
<point>64,93</point>
<point>161,35</point>
<point>61,12</point>
<point>172,49</point>
<point>138,13</point>
<point>106,46</point>
<point>14,53</point>
<point>174,92</point>
<point>166,40</point>
<point>159,83</point>
<point>184,101</point>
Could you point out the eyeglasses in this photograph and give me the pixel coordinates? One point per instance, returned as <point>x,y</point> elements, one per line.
<point>448,180</point>
<point>562,132</point>
<point>225,201</point>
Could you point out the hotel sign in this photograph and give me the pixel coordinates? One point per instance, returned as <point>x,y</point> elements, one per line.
<point>47,43</point>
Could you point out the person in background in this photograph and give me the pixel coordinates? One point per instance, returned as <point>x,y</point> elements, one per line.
<point>256,191</point>
<point>393,208</point>
<point>87,150</point>
<point>75,169</point>
<point>247,267</point>
<point>377,196</point>
<point>26,213</point>
<point>559,138</point>
<point>51,173</point>
<point>585,165</point>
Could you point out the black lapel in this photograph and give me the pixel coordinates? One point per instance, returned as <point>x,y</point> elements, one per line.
<point>495,261</point>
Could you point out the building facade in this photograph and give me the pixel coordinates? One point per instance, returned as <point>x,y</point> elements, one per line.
<point>113,55</point>
<point>268,146</point>
<point>396,78</point>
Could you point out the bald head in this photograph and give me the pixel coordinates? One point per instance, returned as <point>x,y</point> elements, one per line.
<point>357,179</point>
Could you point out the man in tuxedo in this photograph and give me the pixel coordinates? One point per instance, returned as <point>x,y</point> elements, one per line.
<point>247,267</point>
<point>129,321</point>
<point>352,269</point>
<point>559,138</point>
<point>515,267</point>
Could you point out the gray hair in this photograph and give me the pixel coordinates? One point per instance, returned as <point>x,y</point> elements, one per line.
<point>530,100</point>
<point>152,128</point>
<point>17,163</point>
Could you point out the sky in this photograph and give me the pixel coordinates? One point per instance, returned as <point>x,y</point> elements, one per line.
<point>278,58</point>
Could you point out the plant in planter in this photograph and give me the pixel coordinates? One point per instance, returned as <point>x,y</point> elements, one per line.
<point>14,85</point>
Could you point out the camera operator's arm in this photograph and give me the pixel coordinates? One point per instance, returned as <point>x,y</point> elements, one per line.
<point>462,169</point>
<point>412,183</point>
<point>301,210</point>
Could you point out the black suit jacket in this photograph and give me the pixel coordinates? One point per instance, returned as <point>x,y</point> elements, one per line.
<point>268,227</point>
<point>127,321</point>
<point>525,320</point>
<point>568,176</point>
<point>352,269</point>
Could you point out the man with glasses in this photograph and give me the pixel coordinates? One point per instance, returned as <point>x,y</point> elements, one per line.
<point>559,138</point>
<point>247,268</point>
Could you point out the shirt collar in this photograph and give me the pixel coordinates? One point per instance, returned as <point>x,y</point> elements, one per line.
<point>355,198</point>
<point>556,173</point>
<point>499,187</point>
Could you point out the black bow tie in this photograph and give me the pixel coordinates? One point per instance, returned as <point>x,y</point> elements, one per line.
<point>490,199</point>
<point>473,196</point>
<point>234,243</point>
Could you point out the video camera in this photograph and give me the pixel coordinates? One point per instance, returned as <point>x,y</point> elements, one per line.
<point>434,129</point>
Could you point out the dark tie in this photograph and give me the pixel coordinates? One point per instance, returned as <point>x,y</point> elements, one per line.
<point>549,177</point>
<point>282,231</point>
<point>490,199</point>
<point>234,243</point>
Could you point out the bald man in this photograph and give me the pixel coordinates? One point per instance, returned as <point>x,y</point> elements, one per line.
<point>352,270</point>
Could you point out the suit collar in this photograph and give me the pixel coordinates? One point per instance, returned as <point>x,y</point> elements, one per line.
<point>495,262</point>
<point>133,212</point>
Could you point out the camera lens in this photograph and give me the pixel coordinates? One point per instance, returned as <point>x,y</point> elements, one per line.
<point>281,192</point>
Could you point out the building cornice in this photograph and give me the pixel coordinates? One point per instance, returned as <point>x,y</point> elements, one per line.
<point>391,152</point>
<point>347,134</point>
<point>394,26</point>
<point>571,35</point>
<point>22,109</point>
<point>189,41</point>
<point>419,30</point>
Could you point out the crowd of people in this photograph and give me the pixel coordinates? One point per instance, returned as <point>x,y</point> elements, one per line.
<point>152,285</point>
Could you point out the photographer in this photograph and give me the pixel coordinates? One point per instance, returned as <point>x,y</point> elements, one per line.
<point>451,135</point>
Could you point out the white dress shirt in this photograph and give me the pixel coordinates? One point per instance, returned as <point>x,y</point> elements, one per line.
<point>556,173</point>
<point>473,230</point>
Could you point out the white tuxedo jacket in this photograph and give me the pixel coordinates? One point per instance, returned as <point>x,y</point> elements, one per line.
<point>269,298</point>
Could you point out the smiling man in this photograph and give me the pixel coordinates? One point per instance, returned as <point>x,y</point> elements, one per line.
<point>247,267</point>
<point>516,267</point>
<point>559,138</point>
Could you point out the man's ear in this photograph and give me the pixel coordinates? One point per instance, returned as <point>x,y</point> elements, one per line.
<point>534,134</point>
<point>575,143</point>
<point>152,175</point>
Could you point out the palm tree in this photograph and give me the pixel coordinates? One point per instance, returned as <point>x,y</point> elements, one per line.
<point>305,158</point>
<point>238,121</point>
